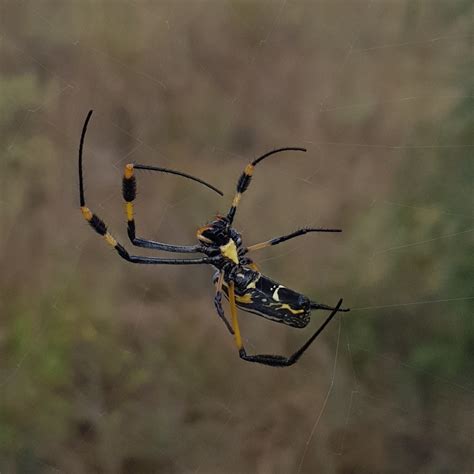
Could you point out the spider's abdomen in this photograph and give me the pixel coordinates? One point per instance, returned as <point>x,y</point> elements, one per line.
<point>258,294</point>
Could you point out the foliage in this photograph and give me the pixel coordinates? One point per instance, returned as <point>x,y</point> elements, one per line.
<point>105,367</point>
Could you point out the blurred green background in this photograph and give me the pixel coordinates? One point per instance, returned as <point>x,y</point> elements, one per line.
<point>106,367</point>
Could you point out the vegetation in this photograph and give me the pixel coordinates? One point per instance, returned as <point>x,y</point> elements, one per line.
<point>109,368</point>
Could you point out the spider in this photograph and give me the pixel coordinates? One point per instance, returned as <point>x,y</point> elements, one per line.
<point>236,277</point>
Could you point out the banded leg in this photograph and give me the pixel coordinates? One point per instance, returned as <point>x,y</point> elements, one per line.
<point>100,227</point>
<point>325,307</point>
<point>218,302</point>
<point>246,177</point>
<point>284,238</point>
<point>129,192</point>
<point>269,359</point>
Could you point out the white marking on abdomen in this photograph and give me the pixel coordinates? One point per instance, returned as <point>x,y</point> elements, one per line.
<point>275,293</point>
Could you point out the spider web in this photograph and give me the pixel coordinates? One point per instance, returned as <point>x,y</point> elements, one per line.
<point>109,367</point>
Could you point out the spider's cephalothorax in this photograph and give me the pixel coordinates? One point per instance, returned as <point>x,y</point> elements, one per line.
<point>218,238</point>
<point>236,277</point>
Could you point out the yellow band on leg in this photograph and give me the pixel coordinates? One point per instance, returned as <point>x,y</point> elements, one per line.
<point>259,246</point>
<point>87,213</point>
<point>233,312</point>
<point>236,200</point>
<point>129,210</point>
<point>110,240</point>
<point>128,173</point>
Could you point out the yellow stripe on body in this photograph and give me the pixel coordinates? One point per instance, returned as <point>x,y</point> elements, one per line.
<point>229,250</point>
<point>289,308</point>
<point>245,299</point>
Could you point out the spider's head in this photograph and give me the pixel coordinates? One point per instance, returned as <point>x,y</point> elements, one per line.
<point>219,236</point>
<point>215,233</point>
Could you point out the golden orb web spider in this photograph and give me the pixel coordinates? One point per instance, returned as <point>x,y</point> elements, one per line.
<point>236,276</point>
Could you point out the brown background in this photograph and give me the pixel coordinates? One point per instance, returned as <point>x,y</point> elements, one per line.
<point>112,368</point>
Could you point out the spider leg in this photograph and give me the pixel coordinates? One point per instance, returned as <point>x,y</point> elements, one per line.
<point>270,359</point>
<point>246,177</point>
<point>101,228</point>
<point>129,192</point>
<point>218,302</point>
<point>327,308</point>
<point>284,238</point>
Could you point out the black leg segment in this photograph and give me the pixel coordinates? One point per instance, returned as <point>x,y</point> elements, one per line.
<point>129,192</point>
<point>281,361</point>
<point>284,238</point>
<point>245,178</point>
